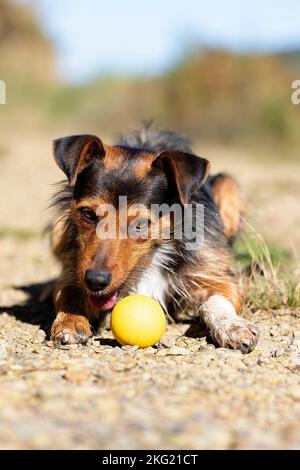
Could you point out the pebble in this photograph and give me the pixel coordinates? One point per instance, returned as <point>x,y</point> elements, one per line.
<point>174,351</point>
<point>250,362</point>
<point>77,374</point>
<point>130,348</point>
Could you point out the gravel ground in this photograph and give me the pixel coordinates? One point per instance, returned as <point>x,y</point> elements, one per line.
<point>184,393</point>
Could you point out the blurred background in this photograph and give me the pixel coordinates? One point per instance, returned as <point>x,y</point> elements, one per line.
<point>218,72</point>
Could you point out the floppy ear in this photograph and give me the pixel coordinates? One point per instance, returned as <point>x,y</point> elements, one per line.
<point>74,152</point>
<point>185,172</point>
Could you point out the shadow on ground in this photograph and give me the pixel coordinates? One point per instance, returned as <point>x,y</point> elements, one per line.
<point>39,309</point>
<point>34,310</point>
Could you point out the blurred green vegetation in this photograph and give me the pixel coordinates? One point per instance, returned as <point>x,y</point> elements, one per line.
<point>209,95</point>
<point>247,250</point>
<point>18,233</point>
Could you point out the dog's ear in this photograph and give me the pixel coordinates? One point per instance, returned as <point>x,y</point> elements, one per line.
<point>185,172</point>
<point>73,153</point>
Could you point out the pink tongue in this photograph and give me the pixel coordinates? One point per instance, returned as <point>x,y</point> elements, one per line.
<point>103,303</point>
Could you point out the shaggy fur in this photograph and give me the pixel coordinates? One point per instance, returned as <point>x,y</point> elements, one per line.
<point>149,167</point>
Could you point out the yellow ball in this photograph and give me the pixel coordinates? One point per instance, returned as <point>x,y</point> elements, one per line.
<point>138,320</point>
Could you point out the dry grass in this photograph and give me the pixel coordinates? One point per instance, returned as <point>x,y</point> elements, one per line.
<point>269,278</point>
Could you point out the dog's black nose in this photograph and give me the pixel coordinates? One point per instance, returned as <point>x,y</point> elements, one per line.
<point>97,280</point>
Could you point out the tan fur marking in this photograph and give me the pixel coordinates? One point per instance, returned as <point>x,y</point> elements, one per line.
<point>204,288</point>
<point>90,202</point>
<point>71,324</point>
<point>229,200</point>
<point>113,159</point>
<point>115,156</point>
<point>68,322</point>
<point>143,165</point>
<point>214,278</point>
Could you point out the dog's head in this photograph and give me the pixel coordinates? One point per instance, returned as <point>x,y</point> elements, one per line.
<point>114,189</point>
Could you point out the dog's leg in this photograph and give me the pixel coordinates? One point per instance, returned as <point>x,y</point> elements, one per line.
<point>226,327</point>
<point>70,325</point>
<point>218,300</point>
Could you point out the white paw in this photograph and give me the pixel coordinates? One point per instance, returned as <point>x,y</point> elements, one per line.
<point>237,333</point>
<point>227,329</point>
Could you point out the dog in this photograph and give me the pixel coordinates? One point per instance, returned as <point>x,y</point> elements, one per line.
<point>148,167</point>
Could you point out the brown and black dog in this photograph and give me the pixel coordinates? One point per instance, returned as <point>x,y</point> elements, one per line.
<point>149,167</point>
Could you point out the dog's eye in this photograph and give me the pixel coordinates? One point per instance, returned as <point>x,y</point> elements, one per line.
<point>142,225</point>
<point>88,214</point>
<point>138,229</point>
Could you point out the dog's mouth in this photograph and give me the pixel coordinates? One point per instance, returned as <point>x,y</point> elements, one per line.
<point>103,302</point>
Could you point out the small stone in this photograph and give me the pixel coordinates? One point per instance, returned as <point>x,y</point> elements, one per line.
<point>249,362</point>
<point>116,351</point>
<point>174,351</point>
<point>294,393</point>
<point>167,342</point>
<point>229,352</point>
<point>129,348</point>
<point>104,374</point>
<point>221,351</point>
<point>296,361</point>
<point>262,360</point>
<point>67,347</point>
<point>77,374</point>
<point>278,352</point>
<point>286,331</point>
<point>210,347</point>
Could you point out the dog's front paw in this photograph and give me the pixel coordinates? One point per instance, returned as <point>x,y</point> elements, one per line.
<point>237,333</point>
<point>70,329</point>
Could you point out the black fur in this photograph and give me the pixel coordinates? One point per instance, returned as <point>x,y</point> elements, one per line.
<point>155,140</point>
<point>94,179</point>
